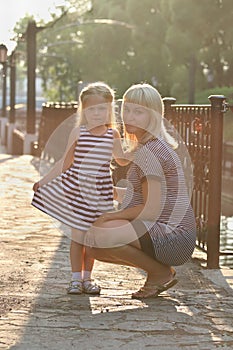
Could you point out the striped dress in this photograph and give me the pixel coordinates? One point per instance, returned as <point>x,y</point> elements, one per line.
<point>82,193</point>
<point>173,232</point>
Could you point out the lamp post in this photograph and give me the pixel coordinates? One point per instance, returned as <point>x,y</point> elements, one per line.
<point>30,36</point>
<point>31,76</point>
<point>3,61</point>
<point>12,87</point>
<point>3,53</point>
<point>7,126</point>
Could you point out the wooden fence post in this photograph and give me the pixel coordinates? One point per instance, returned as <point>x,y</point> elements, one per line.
<point>215,181</point>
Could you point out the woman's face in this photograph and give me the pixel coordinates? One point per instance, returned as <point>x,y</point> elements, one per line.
<point>136,119</point>
<point>96,110</point>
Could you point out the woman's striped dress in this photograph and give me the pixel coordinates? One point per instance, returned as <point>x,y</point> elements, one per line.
<point>81,194</point>
<point>173,231</point>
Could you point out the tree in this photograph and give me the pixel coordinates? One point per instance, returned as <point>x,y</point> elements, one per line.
<point>171,44</point>
<point>198,41</point>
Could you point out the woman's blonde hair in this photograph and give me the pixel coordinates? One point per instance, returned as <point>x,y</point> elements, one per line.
<point>98,88</point>
<point>147,96</point>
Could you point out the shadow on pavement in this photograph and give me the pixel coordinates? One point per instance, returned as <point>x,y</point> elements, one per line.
<point>195,314</point>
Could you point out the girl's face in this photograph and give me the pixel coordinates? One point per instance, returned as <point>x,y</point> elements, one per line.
<point>96,110</point>
<point>136,119</point>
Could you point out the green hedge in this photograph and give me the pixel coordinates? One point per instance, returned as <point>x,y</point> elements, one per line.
<point>202,96</point>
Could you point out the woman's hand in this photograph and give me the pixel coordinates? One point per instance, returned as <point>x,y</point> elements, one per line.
<point>36,186</point>
<point>101,219</point>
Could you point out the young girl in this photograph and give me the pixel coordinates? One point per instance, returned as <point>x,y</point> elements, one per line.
<point>79,188</point>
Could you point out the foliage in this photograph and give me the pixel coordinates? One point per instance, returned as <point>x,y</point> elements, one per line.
<point>177,45</point>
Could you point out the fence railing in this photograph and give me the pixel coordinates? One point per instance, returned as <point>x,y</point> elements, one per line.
<point>201,129</point>
<point>52,116</point>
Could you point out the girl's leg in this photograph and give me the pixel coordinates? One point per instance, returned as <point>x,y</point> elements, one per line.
<point>76,256</point>
<point>88,261</point>
<point>81,265</point>
<point>89,286</point>
<point>76,250</point>
<point>76,261</point>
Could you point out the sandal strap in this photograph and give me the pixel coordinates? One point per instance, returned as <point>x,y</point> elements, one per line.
<point>151,289</point>
<point>89,286</point>
<point>75,287</point>
<point>75,280</point>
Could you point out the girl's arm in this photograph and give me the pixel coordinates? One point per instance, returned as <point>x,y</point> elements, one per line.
<point>121,157</point>
<point>64,163</point>
<point>149,210</point>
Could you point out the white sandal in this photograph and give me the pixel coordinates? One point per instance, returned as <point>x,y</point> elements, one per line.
<point>90,287</point>
<point>75,287</point>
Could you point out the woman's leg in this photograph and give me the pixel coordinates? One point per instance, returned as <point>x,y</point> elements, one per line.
<point>111,234</point>
<point>116,242</point>
<point>131,256</point>
<point>159,277</point>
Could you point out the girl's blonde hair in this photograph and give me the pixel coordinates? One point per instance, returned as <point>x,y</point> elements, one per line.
<point>147,96</point>
<point>101,89</point>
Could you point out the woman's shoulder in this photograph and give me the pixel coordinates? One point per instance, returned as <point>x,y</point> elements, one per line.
<point>158,148</point>
<point>159,144</point>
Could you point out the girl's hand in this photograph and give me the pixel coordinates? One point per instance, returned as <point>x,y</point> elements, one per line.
<point>36,186</point>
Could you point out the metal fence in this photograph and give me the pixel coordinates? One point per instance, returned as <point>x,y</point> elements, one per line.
<point>201,128</point>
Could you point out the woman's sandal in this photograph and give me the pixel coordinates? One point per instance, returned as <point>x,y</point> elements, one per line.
<point>75,287</point>
<point>152,289</point>
<point>90,287</point>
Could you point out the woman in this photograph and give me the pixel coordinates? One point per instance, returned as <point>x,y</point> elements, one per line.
<point>155,227</point>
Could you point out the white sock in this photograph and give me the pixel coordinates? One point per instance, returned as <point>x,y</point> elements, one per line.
<point>86,275</point>
<point>76,276</point>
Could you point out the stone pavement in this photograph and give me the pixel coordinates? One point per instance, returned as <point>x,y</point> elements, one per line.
<point>37,314</point>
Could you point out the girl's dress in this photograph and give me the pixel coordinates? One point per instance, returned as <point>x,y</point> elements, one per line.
<point>82,193</point>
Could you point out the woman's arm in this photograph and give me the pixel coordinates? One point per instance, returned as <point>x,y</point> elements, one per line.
<point>119,193</point>
<point>64,163</point>
<point>149,210</point>
<point>121,157</point>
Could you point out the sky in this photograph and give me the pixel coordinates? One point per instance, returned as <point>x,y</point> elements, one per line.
<point>11,11</point>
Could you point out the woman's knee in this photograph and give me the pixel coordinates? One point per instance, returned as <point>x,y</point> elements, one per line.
<point>111,234</point>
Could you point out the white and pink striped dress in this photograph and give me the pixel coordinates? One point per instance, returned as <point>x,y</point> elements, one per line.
<point>82,193</point>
